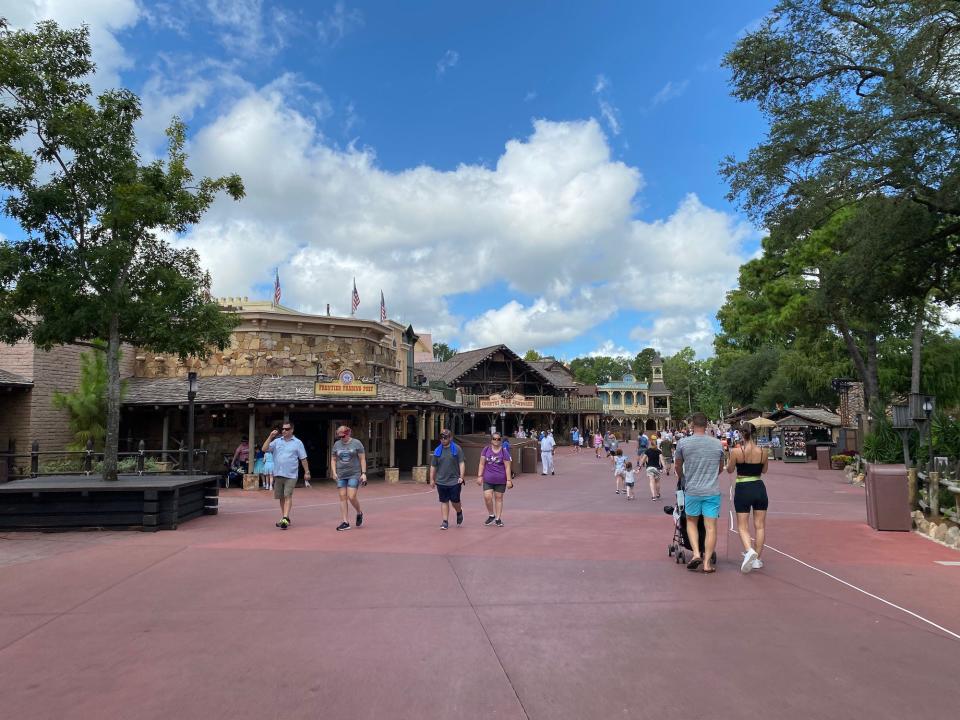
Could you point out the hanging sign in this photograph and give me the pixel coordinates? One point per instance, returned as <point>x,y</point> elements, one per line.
<point>506,400</point>
<point>345,385</point>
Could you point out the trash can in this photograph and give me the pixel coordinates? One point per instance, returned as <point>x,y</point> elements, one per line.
<point>888,500</point>
<point>823,457</point>
<point>528,459</point>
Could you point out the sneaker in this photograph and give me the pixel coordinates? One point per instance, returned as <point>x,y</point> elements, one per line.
<point>617,492</point>
<point>283,523</point>
<point>444,525</point>
<point>499,522</point>
<point>490,520</point>
<point>343,526</point>
<point>459,518</point>
<point>552,473</point>
<point>757,564</point>
<point>359,519</point>
<point>748,557</point>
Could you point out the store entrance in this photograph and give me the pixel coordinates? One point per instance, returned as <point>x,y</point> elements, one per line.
<point>313,430</point>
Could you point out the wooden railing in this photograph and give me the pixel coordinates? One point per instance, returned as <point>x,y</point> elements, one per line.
<point>541,403</point>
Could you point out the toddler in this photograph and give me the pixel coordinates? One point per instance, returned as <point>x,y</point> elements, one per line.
<point>618,465</point>
<point>629,478</point>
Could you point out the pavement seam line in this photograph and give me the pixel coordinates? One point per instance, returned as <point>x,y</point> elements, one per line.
<point>329,504</point>
<point>487,636</point>
<point>83,602</point>
<point>865,592</point>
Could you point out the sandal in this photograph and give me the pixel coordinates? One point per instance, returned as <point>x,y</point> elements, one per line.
<point>694,563</point>
<point>710,570</point>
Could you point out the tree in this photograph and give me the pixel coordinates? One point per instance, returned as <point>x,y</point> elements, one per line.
<point>862,99</point>
<point>95,264</point>
<point>87,405</point>
<point>532,355</point>
<point>599,370</point>
<point>642,363</point>
<point>442,352</point>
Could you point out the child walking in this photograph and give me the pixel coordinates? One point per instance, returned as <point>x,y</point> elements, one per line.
<point>629,478</point>
<point>618,464</point>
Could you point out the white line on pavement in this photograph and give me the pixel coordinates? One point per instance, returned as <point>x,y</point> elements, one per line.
<point>951,563</point>
<point>865,592</point>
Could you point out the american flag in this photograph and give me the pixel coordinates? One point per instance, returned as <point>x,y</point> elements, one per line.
<point>355,301</point>
<point>383,308</point>
<point>276,288</point>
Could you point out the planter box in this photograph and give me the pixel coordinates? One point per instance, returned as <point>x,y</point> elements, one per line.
<point>421,474</point>
<point>391,475</point>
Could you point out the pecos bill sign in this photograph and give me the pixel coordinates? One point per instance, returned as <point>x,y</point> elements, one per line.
<point>346,384</point>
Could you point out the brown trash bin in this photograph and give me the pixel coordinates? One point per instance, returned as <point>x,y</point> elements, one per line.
<point>823,457</point>
<point>888,499</point>
<point>529,459</point>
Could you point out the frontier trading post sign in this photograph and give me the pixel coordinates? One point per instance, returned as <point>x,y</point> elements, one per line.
<point>346,385</point>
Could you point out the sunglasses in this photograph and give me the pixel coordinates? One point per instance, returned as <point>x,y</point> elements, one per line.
<point>496,437</point>
<point>286,428</point>
<point>444,437</point>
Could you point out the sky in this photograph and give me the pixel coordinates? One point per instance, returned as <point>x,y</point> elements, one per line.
<point>542,174</point>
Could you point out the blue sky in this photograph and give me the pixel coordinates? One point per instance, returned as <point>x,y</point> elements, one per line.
<point>538,173</point>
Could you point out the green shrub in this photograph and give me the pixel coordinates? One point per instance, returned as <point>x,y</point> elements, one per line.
<point>883,445</point>
<point>845,459</point>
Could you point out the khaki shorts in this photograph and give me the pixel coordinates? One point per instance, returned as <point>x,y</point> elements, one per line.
<point>283,486</point>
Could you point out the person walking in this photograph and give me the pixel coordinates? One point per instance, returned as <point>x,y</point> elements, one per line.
<point>597,443</point>
<point>287,452</point>
<point>749,494</point>
<point>547,445</point>
<point>496,477</point>
<point>666,447</point>
<point>447,468</point>
<point>348,466</point>
<point>575,439</point>
<point>699,461</point>
<point>652,462</point>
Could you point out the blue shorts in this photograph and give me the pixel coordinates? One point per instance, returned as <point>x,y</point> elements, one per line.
<point>706,505</point>
<point>353,482</point>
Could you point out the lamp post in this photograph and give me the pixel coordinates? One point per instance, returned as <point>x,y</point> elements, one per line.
<point>933,478</point>
<point>192,387</point>
<point>503,422</point>
<point>471,421</point>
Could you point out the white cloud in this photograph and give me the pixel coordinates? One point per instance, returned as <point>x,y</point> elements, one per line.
<point>552,219</point>
<point>608,111</point>
<point>670,91</point>
<point>610,349</point>
<point>530,96</point>
<point>106,19</point>
<point>248,29</point>
<point>600,84</point>
<point>675,331</point>
<point>338,23</point>
<point>450,59</point>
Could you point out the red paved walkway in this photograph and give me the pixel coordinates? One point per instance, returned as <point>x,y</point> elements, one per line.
<point>573,610</point>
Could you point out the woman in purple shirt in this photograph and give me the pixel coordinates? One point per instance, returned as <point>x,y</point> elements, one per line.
<point>494,474</point>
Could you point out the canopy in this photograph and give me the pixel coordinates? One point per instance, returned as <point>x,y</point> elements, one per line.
<point>762,422</point>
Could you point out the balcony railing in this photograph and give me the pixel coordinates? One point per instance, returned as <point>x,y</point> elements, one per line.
<point>541,403</point>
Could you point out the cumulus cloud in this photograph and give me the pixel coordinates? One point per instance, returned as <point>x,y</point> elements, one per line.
<point>249,28</point>
<point>551,220</point>
<point>450,59</point>
<point>610,349</point>
<point>106,18</point>
<point>675,331</point>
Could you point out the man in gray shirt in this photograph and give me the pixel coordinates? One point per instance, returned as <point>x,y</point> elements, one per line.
<point>699,461</point>
<point>348,466</point>
<point>447,468</point>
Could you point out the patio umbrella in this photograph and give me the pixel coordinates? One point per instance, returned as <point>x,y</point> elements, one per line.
<point>762,422</point>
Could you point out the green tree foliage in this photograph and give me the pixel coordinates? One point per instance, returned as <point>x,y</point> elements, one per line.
<point>694,384</point>
<point>95,264</point>
<point>443,352</point>
<point>861,97</point>
<point>87,404</point>
<point>641,364</point>
<point>599,370</point>
<point>532,355</point>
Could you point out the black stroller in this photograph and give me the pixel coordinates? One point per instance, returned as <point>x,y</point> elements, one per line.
<point>680,540</point>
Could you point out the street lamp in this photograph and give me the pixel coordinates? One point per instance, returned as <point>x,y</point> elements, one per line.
<point>503,422</point>
<point>472,413</point>
<point>192,387</point>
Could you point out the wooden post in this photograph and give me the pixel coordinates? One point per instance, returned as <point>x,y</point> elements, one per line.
<point>165,437</point>
<point>392,431</point>
<point>933,492</point>
<point>421,421</point>
<point>251,438</point>
<point>35,458</point>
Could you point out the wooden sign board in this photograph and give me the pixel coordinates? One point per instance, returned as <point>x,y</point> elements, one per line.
<point>497,401</point>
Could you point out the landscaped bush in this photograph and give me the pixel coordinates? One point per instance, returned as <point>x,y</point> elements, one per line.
<point>841,459</point>
<point>883,445</point>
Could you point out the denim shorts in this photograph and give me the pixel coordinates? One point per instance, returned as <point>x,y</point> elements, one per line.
<point>353,482</point>
<point>706,505</point>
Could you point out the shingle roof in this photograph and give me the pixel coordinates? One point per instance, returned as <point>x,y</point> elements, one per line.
<point>449,371</point>
<point>556,372</point>
<point>814,415</point>
<point>263,388</point>
<point>9,379</point>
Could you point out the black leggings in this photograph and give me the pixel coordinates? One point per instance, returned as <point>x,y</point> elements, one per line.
<point>750,495</point>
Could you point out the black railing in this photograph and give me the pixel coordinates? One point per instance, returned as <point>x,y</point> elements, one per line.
<point>141,461</point>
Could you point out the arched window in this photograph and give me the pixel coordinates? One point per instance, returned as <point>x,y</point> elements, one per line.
<point>617,398</point>
<point>641,398</point>
<point>605,397</point>
<point>628,398</point>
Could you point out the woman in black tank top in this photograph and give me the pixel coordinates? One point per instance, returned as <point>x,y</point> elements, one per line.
<point>749,494</point>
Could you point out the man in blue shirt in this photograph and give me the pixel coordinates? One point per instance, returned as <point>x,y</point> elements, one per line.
<point>287,451</point>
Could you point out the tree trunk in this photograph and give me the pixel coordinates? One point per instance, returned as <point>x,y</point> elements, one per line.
<point>871,384</point>
<point>112,440</point>
<point>871,390</point>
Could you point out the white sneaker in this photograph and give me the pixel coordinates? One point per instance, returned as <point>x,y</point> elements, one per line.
<point>757,564</point>
<point>748,557</point>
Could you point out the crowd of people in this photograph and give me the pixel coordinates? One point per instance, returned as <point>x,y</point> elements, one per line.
<point>698,454</point>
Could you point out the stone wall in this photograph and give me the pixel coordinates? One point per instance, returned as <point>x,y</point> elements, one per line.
<point>262,352</point>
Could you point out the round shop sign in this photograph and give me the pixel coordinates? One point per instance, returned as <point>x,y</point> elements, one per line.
<point>346,377</point>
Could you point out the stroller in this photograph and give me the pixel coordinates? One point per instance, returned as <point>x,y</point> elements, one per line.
<point>681,540</point>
